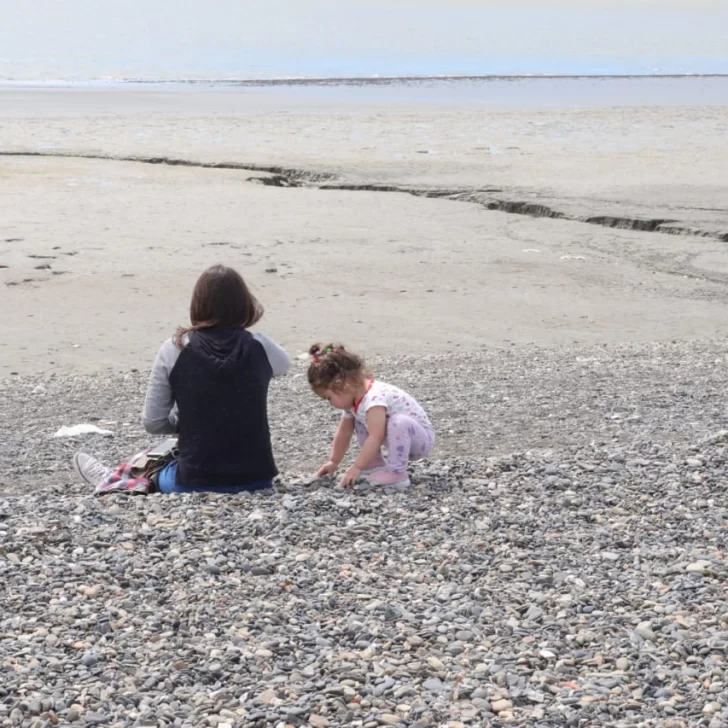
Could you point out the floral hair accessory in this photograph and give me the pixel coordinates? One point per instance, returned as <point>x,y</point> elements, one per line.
<point>316,358</point>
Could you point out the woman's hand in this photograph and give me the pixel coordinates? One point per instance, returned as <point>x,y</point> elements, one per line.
<point>329,468</point>
<point>350,477</point>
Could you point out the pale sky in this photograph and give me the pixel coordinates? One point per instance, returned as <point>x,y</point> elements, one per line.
<point>77,39</point>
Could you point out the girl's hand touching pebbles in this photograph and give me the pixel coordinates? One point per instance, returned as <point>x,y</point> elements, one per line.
<point>350,477</point>
<point>329,468</point>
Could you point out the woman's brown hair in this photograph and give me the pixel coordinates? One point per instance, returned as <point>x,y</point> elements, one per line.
<point>220,298</point>
<point>332,367</point>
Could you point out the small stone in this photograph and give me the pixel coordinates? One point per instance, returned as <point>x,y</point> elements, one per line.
<point>644,630</point>
<point>698,567</point>
<point>712,707</point>
<point>318,721</point>
<point>267,697</point>
<point>388,719</point>
<point>433,684</point>
<point>435,663</point>
<point>534,613</point>
<point>623,664</point>
<point>96,718</point>
<point>382,688</point>
<point>500,706</point>
<point>89,659</point>
<point>404,691</point>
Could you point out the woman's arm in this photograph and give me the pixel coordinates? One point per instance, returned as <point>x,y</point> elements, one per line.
<point>278,358</point>
<point>159,416</point>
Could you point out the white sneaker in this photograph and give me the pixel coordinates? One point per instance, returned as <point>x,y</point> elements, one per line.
<point>90,469</point>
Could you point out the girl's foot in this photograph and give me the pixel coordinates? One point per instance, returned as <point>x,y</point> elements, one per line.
<point>389,478</point>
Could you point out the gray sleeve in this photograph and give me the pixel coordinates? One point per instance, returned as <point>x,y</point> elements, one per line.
<point>279,360</point>
<point>160,414</point>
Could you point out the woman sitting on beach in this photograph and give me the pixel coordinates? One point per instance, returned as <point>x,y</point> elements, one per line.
<point>209,385</point>
<point>379,413</point>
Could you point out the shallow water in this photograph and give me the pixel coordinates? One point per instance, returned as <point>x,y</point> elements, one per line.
<point>21,99</point>
<point>540,92</point>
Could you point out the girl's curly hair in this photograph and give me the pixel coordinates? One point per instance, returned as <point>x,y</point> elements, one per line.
<point>332,367</point>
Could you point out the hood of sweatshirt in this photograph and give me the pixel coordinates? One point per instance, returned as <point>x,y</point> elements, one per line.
<point>224,348</point>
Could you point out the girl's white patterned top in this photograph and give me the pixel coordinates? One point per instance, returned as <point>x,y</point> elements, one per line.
<point>395,400</point>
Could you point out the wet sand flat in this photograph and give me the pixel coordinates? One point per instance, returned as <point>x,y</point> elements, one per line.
<point>384,223</point>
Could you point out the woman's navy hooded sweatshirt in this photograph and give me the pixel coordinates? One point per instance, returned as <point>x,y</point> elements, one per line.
<point>219,383</point>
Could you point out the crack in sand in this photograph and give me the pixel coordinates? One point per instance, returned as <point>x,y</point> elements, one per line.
<point>281,176</point>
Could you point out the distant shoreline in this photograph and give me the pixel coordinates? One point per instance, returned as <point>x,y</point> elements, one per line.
<point>344,80</point>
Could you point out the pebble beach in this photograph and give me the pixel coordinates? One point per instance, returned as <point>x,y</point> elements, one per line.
<point>579,581</point>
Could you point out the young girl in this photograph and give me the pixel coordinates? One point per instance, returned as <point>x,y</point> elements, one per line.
<point>379,413</point>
